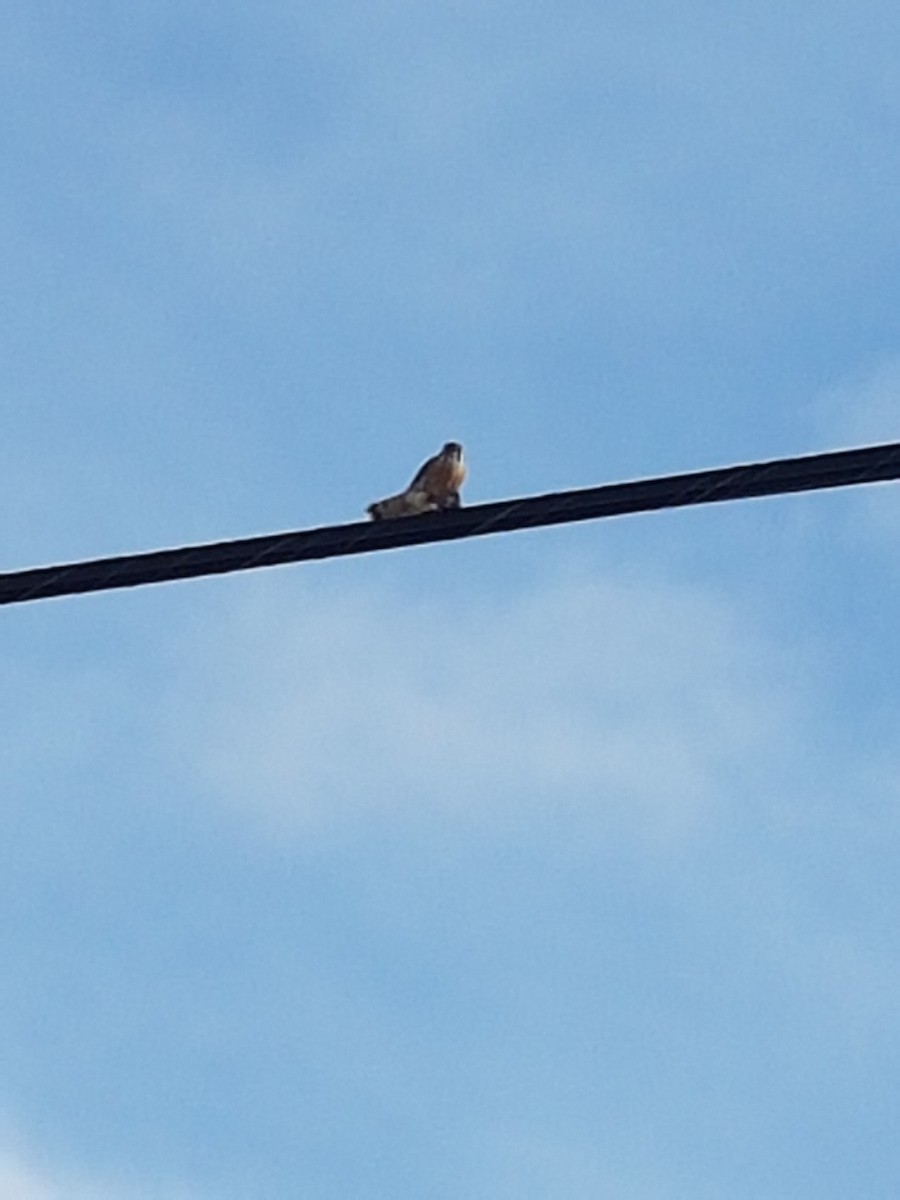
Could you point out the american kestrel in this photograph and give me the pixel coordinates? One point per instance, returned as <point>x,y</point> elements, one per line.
<point>436,485</point>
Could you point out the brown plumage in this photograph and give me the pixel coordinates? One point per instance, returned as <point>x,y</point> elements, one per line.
<point>435,485</point>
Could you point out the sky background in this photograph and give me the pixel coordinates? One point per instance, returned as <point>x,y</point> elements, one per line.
<point>554,864</point>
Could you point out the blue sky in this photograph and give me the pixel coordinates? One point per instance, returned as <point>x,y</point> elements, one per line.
<point>554,864</point>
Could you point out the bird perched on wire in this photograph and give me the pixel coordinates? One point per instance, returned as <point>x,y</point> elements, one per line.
<point>435,486</point>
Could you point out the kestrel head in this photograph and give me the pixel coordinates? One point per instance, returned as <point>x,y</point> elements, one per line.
<point>451,450</point>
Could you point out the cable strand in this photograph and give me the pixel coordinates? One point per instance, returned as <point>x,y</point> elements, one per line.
<point>815,472</point>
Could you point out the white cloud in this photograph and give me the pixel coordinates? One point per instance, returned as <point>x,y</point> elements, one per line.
<point>20,1182</point>
<point>625,703</point>
<point>22,1179</point>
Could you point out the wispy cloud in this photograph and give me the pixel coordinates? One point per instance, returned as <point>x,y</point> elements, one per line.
<point>630,702</point>
<point>308,154</point>
<point>22,1179</point>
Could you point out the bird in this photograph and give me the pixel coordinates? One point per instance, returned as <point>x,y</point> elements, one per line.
<point>434,486</point>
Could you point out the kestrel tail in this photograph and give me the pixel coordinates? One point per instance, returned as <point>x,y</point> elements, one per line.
<point>404,504</point>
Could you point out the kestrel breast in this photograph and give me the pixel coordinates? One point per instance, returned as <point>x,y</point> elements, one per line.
<point>445,476</point>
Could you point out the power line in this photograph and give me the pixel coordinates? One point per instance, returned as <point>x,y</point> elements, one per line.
<point>814,472</point>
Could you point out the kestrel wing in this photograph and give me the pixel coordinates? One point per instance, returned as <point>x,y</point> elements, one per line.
<point>421,476</point>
